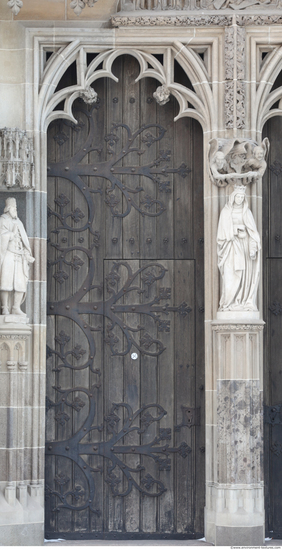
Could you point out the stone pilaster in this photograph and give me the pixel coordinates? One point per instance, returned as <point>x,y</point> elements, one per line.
<point>234,512</point>
<point>21,509</point>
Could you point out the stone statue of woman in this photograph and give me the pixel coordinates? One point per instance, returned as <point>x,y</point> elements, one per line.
<point>238,246</point>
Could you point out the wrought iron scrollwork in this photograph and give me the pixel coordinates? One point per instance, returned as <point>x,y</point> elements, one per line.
<point>120,422</point>
<point>112,171</point>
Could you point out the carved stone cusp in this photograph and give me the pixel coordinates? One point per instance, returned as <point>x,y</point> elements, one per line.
<point>16,158</point>
<point>89,95</point>
<point>162,95</point>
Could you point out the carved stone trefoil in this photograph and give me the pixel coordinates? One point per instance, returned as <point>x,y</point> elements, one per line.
<point>15,6</point>
<point>79,5</point>
<point>16,159</point>
<point>89,95</point>
<point>162,95</point>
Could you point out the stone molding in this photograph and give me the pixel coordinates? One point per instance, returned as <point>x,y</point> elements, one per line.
<point>234,60</point>
<point>189,5</point>
<point>171,20</point>
<point>16,159</point>
<point>193,20</point>
<point>238,327</point>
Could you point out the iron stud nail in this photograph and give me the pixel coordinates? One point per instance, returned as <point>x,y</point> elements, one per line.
<point>50,448</point>
<point>95,448</point>
<point>112,169</point>
<point>112,308</point>
<point>112,448</point>
<point>84,188</point>
<point>129,199</point>
<point>85,326</point>
<point>84,467</point>
<point>92,357</point>
<point>130,478</point>
<point>95,169</point>
<point>66,168</point>
<point>133,170</point>
<point>133,308</point>
<point>67,307</point>
<point>85,288</point>
<point>91,395</point>
<point>63,399</point>
<point>84,429</point>
<point>51,307</point>
<point>133,449</point>
<point>67,448</point>
<point>95,307</point>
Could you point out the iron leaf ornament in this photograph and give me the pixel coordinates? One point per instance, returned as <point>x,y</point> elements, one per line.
<point>120,422</point>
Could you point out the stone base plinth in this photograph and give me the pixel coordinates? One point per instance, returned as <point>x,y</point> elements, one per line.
<point>234,516</point>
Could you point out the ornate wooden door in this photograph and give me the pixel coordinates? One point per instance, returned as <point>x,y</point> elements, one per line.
<point>272,254</point>
<point>125,354</point>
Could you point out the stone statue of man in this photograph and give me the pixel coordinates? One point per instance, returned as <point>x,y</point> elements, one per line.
<point>15,257</point>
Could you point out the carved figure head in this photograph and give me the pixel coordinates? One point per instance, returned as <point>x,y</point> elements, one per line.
<point>238,154</point>
<point>258,152</point>
<point>11,207</point>
<point>238,195</point>
<point>219,159</point>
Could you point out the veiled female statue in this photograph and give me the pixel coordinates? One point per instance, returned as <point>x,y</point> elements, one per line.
<point>238,246</point>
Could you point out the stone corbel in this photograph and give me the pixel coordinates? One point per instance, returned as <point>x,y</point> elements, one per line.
<point>16,159</point>
<point>237,161</point>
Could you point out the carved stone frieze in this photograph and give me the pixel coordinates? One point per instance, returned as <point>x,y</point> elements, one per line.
<point>237,327</point>
<point>229,52</point>
<point>15,6</point>
<point>240,49</point>
<point>173,21</point>
<point>235,38</point>
<point>188,5</point>
<point>16,159</point>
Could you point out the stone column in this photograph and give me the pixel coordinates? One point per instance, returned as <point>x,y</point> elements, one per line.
<point>235,496</point>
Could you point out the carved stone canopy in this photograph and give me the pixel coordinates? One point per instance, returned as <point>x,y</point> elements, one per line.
<point>16,159</point>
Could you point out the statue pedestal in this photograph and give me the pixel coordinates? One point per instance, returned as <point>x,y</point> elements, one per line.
<point>234,513</point>
<point>238,316</point>
<point>14,319</point>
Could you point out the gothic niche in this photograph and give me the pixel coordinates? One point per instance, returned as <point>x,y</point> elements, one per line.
<point>239,163</point>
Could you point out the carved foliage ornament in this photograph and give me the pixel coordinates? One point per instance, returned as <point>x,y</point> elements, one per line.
<point>79,5</point>
<point>15,6</point>
<point>16,158</point>
<point>76,5</point>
